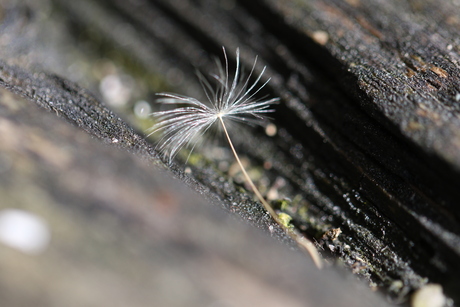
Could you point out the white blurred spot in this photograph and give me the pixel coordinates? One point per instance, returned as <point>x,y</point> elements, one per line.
<point>24,231</point>
<point>116,89</point>
<point>321,37</point>
<point>142,109</point>
<point>270,130</point>
<point>429,295</point>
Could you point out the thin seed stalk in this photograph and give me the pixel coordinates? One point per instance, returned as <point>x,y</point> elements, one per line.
<point>305,244</point>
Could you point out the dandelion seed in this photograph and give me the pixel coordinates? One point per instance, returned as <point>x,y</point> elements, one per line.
<point>232,99</point>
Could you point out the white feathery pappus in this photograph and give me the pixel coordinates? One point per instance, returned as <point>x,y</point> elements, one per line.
<point>233,98</point>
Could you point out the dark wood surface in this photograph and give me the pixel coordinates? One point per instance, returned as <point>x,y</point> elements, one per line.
<point>123,230</point>
<point>368,126</point>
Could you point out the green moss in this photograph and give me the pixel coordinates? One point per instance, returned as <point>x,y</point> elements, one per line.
<point>194,158</point>
<point>284,204</point>
<point>285,219</point>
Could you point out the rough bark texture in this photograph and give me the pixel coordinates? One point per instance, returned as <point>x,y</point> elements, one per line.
<point>368,125</point>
